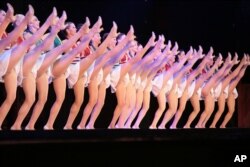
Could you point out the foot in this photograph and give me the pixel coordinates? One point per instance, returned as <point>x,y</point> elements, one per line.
<point>111,126</point>
<point>135,127</point>
<point>15,127</point>
<point>248,58</point>
<point>198,126</point>
<point>79,127</point>
<point>28,127</point>
<point>235,59</point>
<point>152,127</point>
<point>127,126</point>
<point>29,15</point>
<point>203,125</point>
<point>90,127</point>
<point>161,127</point>
<point>186,127</point>
<point>172,127</point>
<point>10,13</point>
<point>47,127</point>
<point>97,26</point>
<point>117,127</point>
<point>212,126</point>
<point>67,127</point>
<point>222,126</point>
<point>60,24</point>
<point>52,19</point>
<point>113,32</point>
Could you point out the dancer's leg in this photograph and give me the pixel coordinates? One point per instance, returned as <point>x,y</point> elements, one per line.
<point>79,97</point>
<point>182,105</point>
<point>195,101</point>
<point>93,96</point>
<point>59,84</point>
<point>10,83</point>
<point>173,103</point>
<point>162,106</point>
<point>98,107</point>
<point>42,90</point>
<point>221,108</point>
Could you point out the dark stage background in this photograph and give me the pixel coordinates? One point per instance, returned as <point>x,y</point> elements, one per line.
<point>224,25</point>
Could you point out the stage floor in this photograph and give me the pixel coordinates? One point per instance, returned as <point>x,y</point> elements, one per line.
<point>8,137</point>
<point>125,147</point>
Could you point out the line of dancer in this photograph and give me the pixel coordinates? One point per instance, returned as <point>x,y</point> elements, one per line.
<point>32,56</point>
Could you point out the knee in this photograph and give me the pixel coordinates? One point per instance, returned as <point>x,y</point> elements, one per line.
<point>204,92</point>
<point>78,101</point>
<point>10,98</point>
<point>92,102</point>
<point>60,99</point>
<point>159,113</point>
<point>196,110</point>
<point>137,107</point>
<point>121,104</point>
<point>145,107</point>
<point>171,111</point>
<point>220,110</point>
<point>162,107</point>
<point>100,103</point>
<point>181,109</point>
<point>30,100</point>
<point>42,100</point>
<point>230,112</point>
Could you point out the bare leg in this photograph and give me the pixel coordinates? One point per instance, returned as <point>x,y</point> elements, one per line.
<point>173,103</point>
<point>138,105</point>
<point>195,101</point>
<point>59,87</point>
<point>79,96</point>
<point>210,112</point>
<point>231,98</point>
<point>29,88</point>
<point>29,84</point>
<point>162,106</point>
<point>182,105</point>
<point>221,108</point>
<point>98,107</point>
<point>209,107</point>
<point>10,83</point>
<point>93,96</point>
<point>42,89</point>
<point>130,103</point>
<point>120,95</point>
<point>231,109</point>
<point>143,111</point>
